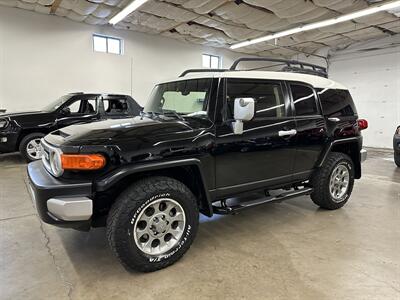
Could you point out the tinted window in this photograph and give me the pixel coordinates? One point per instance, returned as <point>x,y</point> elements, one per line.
<point>304,100</point>
<point>115,106</point>
<point>337,103</point>
<point>268,96</point>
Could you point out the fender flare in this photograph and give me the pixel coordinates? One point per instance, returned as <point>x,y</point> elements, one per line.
<point>356,157</point>
<point>102,184</point>
<point>324,155</point>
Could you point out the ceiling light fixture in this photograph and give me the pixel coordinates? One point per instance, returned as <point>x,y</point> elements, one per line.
<point>358,14</point>
<point>134,5</point>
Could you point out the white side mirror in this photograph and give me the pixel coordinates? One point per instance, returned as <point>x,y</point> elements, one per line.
<point>243,111</point>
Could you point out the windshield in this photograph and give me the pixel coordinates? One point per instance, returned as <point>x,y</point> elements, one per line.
<point>56,104</point>
<point>186,97</point>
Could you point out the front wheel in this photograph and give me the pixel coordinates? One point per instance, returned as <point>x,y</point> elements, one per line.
<point>333,182</point>
<point>152,224</point>
<point>30,147</point>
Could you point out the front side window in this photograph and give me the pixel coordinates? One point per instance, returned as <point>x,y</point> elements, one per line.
<point>304,100</point>
<point>81,107</point>
<point>268,97</point>
<point>186,97</point>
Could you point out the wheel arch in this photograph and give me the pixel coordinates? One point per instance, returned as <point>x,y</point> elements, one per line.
<point>188,171</point>
<point>349,146</point>
<point>25,132</point>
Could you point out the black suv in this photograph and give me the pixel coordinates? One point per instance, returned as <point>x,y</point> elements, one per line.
<point>23,131</point>
<point>214,143</point>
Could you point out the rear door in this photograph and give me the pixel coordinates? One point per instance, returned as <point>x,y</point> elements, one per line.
<point>264,154</point>
<point>311,128</point>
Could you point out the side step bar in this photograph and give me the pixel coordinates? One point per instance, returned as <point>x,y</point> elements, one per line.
<point>224,209</point>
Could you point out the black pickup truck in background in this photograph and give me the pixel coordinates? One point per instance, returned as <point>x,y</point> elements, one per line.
<point>23,131</point>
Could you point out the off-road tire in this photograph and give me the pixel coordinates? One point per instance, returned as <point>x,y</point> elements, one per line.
<point>25,141</point>
<point>320,181</point>
<point>397,158</point>
<point>127,208</point>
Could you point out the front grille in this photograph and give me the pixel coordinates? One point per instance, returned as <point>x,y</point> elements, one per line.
<point>46,155</point>
<point>48,152</point>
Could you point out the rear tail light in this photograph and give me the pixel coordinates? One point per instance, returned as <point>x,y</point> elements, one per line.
<point>82,161</point>
<point>362,124</point>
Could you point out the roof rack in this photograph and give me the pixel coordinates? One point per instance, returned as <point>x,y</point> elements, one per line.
<point>292,66</point>
<point>201,71</point>
<point>289,66</point>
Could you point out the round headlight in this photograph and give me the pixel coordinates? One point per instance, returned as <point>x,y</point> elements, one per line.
<point>55,163</point>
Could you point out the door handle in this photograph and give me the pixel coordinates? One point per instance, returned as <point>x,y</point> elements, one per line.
<point>334,119</point>
<point>287,132</point>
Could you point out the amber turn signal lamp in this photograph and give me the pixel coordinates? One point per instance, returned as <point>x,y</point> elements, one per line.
<point>82,161</point>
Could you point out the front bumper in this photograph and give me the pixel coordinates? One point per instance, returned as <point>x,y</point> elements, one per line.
<point>61,202</point>
<point>8,142</point>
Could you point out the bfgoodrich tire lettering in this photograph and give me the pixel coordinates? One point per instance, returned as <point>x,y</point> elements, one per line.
<point>321,181</point>
<point>125,213</point>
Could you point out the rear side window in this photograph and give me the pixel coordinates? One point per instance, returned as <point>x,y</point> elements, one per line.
<point>116,106</point>
<point>268,96</point>
<point>337,103</point>
<point>304,100</point>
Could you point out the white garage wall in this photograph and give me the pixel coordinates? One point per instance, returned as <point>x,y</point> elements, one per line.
<point>374,82</point>
<point>43,57</point>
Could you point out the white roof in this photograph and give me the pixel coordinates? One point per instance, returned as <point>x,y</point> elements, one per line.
<point>313,80</point>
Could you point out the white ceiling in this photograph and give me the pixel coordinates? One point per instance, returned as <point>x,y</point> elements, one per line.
<point>220,23</point>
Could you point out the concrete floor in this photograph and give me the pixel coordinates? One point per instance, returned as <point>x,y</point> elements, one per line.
<point>291,250</point>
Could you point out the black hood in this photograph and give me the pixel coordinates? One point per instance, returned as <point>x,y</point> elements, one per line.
<point>29,118</point>
<point>114,132</point>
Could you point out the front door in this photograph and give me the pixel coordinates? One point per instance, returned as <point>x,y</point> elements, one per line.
<point>264,154</point>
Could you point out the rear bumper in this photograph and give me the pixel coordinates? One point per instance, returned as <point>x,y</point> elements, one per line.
<point>363,155</point>
<point>60,202</point>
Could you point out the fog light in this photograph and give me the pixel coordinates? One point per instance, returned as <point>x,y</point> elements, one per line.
<point>3,140</point>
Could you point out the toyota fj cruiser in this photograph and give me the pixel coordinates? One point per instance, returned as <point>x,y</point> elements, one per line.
<point>210,142</point>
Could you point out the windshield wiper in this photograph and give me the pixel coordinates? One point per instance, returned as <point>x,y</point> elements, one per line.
<point>165,112</point>
<point>172,112</point>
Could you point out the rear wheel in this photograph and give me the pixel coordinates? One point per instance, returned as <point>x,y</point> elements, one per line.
<point>30,147</point>
<point>333,182</point>
<point>152,224</point>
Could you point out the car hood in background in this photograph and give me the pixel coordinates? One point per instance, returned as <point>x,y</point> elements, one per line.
<point>36,118</point>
